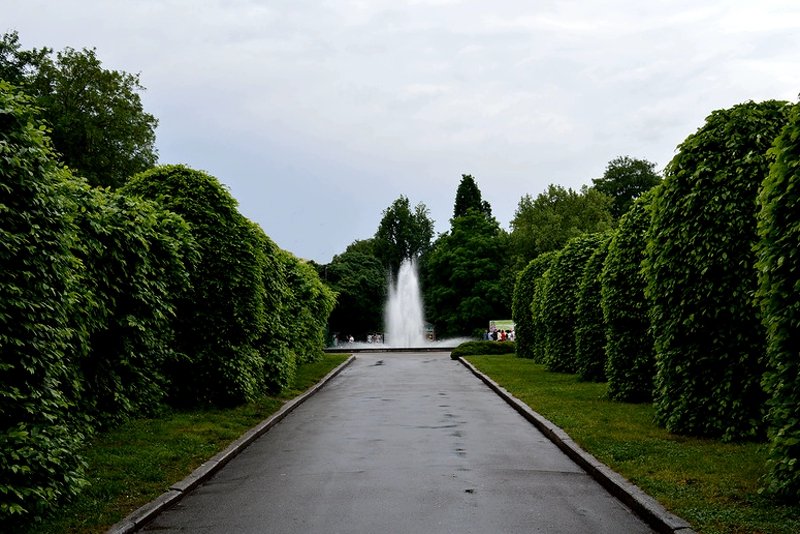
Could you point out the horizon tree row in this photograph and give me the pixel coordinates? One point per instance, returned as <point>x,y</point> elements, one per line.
<point>694,306</point>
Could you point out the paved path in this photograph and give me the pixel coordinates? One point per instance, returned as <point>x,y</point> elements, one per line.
<point>401,443</point>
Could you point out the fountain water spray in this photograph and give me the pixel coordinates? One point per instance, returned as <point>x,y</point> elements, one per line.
<point>404,316</point>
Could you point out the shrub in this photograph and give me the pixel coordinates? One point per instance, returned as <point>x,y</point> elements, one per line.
<point>630,367</point>
<point>590,338</point>
<point>538,334</point>
<point>561,300</point>
<point>40,431</point>
<point>221,319</point>
<point>474,348</point>
<point>521,309</point>
<point>709,340</point>
<point>135,269</point>
<point>778,265</point>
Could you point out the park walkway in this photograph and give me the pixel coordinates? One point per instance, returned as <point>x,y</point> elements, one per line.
<point>401,443</point>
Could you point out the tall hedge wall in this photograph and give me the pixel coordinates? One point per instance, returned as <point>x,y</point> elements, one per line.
<point>220,320</point>
<point>539,267</point>
<point>561,300</point>
<point>521,309</point>
<point>630,367</point>
<point>41,432</point>
<point>778,253</point>
<point>709,340</point>
<point>590,329</point>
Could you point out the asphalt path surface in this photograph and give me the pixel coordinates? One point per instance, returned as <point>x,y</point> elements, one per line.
<point>401,443</point>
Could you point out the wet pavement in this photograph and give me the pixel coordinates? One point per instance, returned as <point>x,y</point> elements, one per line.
<point>401,443</point>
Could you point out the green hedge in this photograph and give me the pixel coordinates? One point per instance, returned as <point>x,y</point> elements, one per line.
<point>220,320</point>
<point>590,338</point>
<point>709,340</point>
<point>136,258</point>
<point>561,300</point>
<point>41,431</point>
<point>538,334</point>
<point>630,366</point>
<point>778,265</point>
<point>521,309</point>
<point>475,348</point>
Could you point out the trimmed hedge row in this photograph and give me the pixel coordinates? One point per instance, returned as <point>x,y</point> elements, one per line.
<point>473,348</point>
<point>699,290</point>
<point>590,339</point>
<point>114,304</point>
<point>778,254</point>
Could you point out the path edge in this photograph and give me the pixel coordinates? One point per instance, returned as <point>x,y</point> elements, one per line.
<point>140,517</point>
<point>642,504</point>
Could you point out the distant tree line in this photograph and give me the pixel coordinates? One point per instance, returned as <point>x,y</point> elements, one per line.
<point>121,302</point>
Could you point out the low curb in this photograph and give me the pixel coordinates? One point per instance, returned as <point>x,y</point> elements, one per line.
<point>642,504</point>
<point>177,491</point>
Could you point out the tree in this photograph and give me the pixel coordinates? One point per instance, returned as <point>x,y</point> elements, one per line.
<point>359,279</point>
<point>97,122</point>
<point>624,180</point>
<point>554,217</point>
<point>468,197</point>
<point>778,267</point>
<point>402,233</point>
<point>461,276</point>
<point>709,340</point>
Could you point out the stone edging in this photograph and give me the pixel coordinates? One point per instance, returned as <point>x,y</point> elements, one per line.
<point>631,495</point>
<point>177,491</point>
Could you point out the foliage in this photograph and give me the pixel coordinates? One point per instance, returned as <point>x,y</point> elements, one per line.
<point>524,331</point>
<point>626,179</point>
<point>221,319</point>
<point>309,307</point>
<point>359,280</point>
<point>778,253</point>
<point>709,341</point>
<point>538,325</point>
<point>136,260</point>
<point>554,217</point>
<point>402,233</point>
<point>471,348</point>
<point>40,431</point>
<point>590,339</point>
<point>98,124</point>
<point>630,366</point>
<point>461,275</point>
<point>468,197</point>
<point>560,301</point>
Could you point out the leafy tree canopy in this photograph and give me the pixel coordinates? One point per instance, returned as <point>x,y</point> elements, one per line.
<point>624,180</point>
<point>402,233</point>
<point>554,217</point>
<point>468,197</point>
<point>97,121</point>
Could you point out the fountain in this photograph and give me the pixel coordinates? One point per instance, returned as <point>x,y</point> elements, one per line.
<point>404,317</point>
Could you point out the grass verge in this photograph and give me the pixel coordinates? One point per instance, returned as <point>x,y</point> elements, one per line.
<point>131,465</point>
<point>712,485</point>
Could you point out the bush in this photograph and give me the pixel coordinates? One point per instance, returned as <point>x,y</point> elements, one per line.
<point>521,309</point>
<point>590,338</point>
<point>136,260</point>
<point>561,300</point>
<point>538,333</point>
<point>221,319</point>
<point>630,367</point>
<point>475,348</point>
<point>40,430</point>
<point>778,265</point>
<point>709,340</point>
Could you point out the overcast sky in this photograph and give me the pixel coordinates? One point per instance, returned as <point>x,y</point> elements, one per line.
<point>319,114</point>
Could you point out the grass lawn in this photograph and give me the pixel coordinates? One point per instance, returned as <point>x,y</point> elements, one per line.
<point>712,485</point>
<point>131,465</point>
